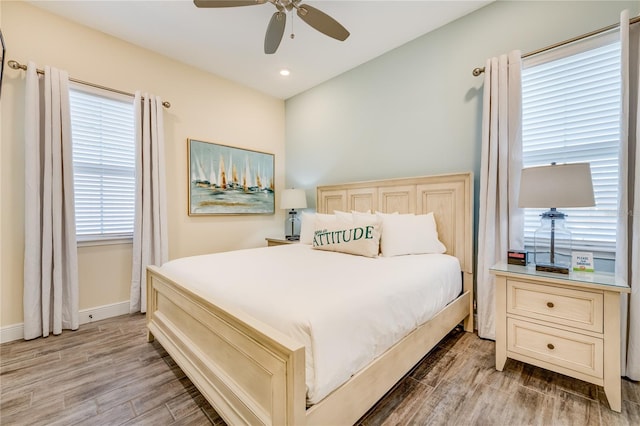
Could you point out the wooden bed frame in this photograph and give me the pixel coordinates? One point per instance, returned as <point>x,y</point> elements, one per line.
<point>254,374</point>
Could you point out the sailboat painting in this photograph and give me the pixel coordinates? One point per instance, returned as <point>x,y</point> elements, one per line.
<point>226,180</point>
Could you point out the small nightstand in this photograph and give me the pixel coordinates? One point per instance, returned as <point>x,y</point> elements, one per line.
<point>271,242</point>
<point>569,324</point>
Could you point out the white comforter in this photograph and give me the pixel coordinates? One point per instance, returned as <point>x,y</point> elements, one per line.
<point>345,309</point>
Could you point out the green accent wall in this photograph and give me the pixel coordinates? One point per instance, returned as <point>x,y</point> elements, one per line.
<point>417,110</point>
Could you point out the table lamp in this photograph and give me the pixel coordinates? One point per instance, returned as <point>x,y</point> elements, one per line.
<point>554,186</point>
<point>292,199</point>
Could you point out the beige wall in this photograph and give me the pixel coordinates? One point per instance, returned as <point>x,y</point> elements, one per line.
<point>203,106</point>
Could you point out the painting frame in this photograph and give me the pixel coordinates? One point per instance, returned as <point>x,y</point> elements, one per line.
<point>228,180</point>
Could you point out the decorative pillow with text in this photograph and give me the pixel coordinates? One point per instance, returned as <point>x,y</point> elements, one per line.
<point>308,225</point>
<point>359,236</point>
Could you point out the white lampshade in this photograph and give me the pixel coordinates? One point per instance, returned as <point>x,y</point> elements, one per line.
<point>564,185</point>
<point>293,199</point>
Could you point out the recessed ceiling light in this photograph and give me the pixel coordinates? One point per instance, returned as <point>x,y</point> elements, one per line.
<point>284,72</point>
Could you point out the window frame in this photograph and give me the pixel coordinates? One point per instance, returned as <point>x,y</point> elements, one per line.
<point>84,240</point>
<point>600,250</point>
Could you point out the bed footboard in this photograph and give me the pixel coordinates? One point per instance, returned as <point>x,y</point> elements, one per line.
<point>251,373</point>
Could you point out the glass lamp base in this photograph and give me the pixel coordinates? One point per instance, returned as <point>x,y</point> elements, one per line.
<point>552,243</point>
<point>292,226</point>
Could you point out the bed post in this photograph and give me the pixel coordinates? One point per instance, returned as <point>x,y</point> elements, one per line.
<point>151,306</point>
<point>467,285</point>
<point>467,279</point>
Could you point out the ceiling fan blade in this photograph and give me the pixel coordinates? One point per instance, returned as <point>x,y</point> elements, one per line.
<point>322,22</point>
<point>275,30</point>
<point>227,3</point>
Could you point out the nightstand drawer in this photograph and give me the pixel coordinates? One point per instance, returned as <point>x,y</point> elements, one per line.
<point>575,308</point>
<point>562,348</point>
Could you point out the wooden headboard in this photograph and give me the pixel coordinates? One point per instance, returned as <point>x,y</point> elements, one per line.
<point>449,197</point>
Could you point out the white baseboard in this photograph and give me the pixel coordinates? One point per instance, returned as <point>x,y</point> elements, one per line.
<point>16,331</point>
<point>11,332</point>
<point>103,312</point>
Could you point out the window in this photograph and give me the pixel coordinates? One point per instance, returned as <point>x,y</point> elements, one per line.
<point>571,113</point>
<point>103,134</point>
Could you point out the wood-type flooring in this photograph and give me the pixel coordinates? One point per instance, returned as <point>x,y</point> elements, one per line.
<point>107,374</point>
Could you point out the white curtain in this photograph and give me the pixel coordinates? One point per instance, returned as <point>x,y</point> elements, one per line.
<point>628,235</point>
<point>150,244</point>
<point>500,224</point>
<point>50,260</point>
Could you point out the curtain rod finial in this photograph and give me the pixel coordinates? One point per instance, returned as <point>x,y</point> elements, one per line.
<point>478,71</point>
<point>16,65</point>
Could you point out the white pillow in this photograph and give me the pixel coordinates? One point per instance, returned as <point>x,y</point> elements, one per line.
<point>365,215</point>
<point>342,215</point>
<point>409,234</point>
<point>354,214</point>
<point>359,236</point>
<point>307,225</point>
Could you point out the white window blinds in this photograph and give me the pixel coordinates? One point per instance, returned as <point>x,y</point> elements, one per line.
<point>571,113</point>
<point>103,134</point>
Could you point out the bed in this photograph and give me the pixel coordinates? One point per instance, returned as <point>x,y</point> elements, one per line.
<point>254,373</point>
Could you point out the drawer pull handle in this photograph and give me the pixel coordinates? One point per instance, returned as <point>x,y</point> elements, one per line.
<point>550,304</point>
<point>550,346</point>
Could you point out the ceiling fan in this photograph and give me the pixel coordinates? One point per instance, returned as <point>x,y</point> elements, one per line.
<point>312,16</point>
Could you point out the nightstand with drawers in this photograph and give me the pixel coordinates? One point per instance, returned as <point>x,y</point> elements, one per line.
<point>569,324</point>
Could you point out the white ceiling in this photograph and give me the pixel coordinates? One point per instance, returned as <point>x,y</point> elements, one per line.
<point>229,41</point>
